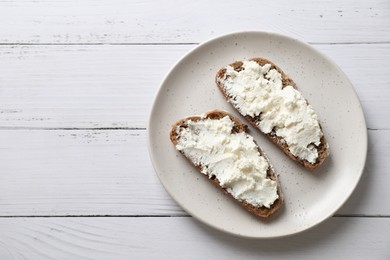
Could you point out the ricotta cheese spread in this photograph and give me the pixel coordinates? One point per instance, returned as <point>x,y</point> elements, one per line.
<point>232,158</point>
<point>257,91</point>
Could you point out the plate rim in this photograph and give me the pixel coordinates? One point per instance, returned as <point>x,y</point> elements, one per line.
<point>263,33</point>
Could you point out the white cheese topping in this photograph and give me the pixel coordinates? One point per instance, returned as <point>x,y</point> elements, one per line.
<point>258,90</point>
<point>233,159</point>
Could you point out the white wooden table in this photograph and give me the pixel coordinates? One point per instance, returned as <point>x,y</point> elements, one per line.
<point>77,80</point>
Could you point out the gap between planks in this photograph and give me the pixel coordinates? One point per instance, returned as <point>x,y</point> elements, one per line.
<point>169,43</point>
<point>164,216</point>
<point>101,128</point>
<point>70,128</point>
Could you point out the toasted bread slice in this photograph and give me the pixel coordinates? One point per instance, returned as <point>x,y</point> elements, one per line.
<point>238,127</point>
<point>322,146</point>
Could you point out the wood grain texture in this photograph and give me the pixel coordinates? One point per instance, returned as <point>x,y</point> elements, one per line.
<point>108,172</point>
<point>114,86</point>
<point>81,86</point>
<point>178,238</point>
<point>79,173</point>
<point>122,21</point>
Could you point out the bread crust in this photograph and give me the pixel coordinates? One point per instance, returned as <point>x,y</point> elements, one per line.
<point>323,147</point>
<point>238,127</point>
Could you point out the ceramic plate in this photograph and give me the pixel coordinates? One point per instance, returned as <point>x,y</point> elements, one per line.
<point>309,197</point>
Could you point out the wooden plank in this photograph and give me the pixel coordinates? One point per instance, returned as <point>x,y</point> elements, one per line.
<point>81,86</point>
<point>118,21</point>
<point>79,173</point>
<point>178,238</point>
<point>108,172</point>
<point>114,86</point>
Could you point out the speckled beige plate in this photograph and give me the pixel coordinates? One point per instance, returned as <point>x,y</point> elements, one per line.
<point>310,197</point>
